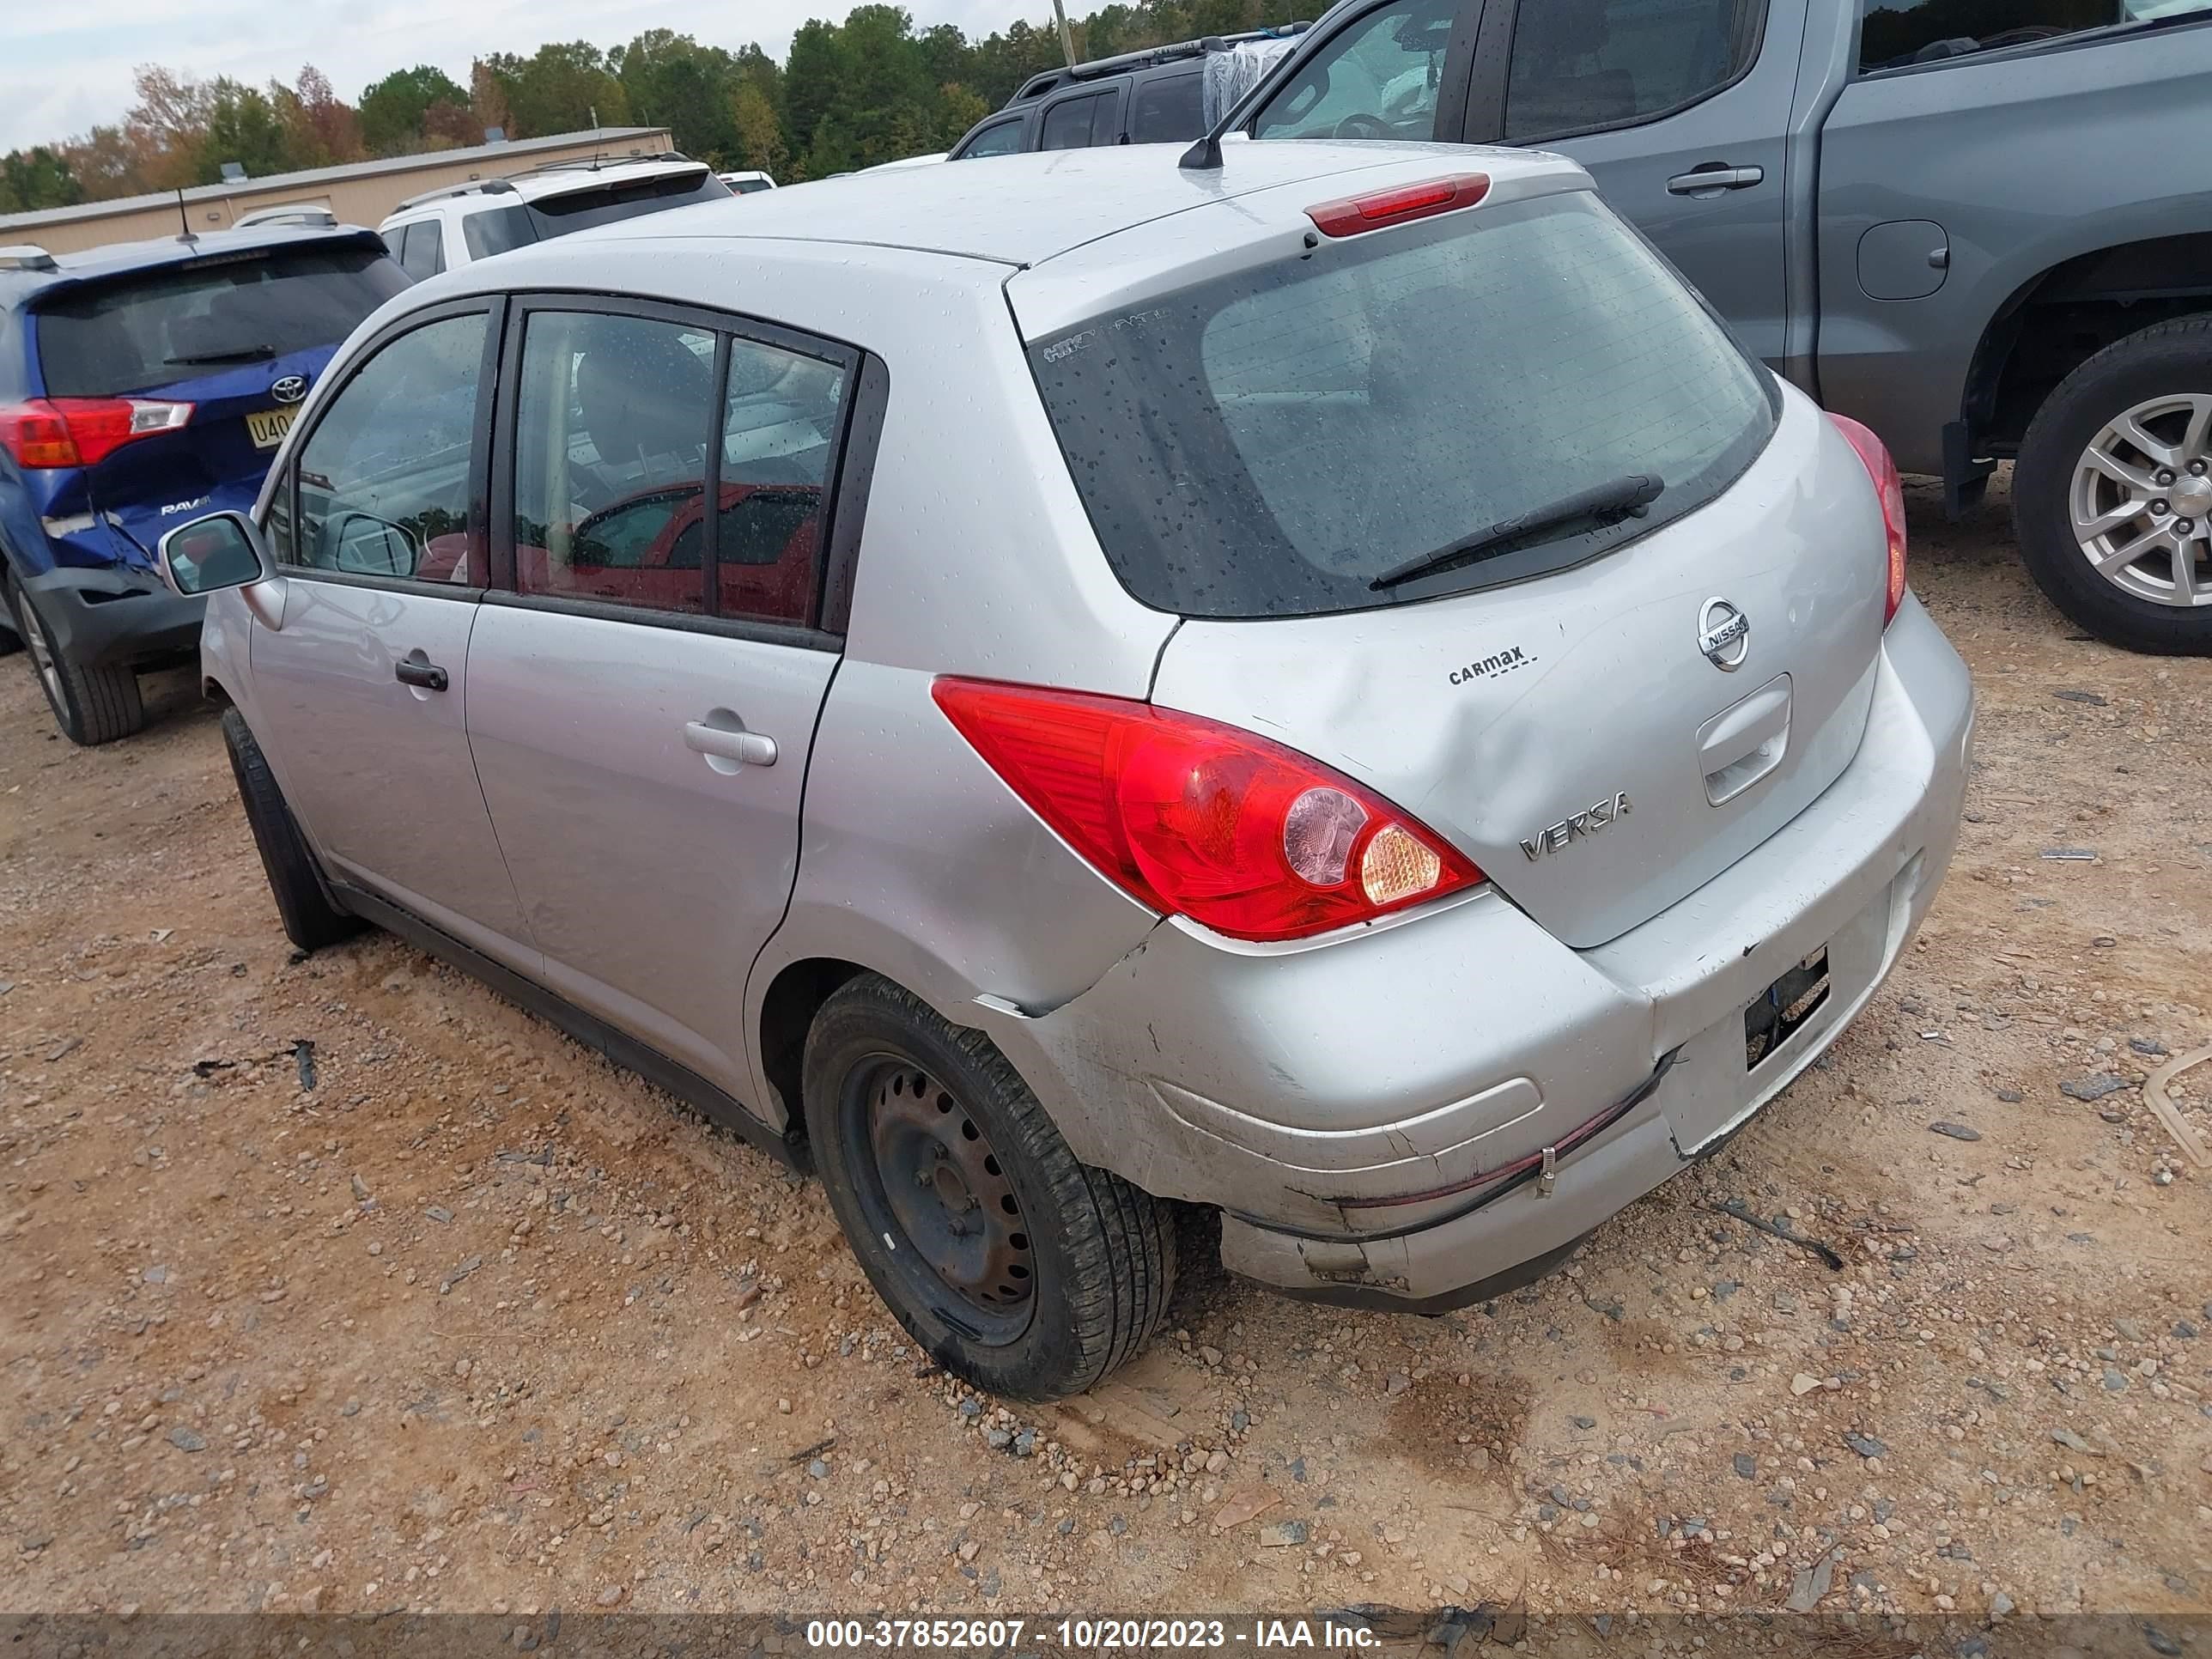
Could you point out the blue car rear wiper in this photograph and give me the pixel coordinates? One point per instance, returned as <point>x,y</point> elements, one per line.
<point>252,354</point>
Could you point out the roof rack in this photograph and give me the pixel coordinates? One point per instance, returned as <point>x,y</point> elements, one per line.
<point>594,163</point>
<point>467,187</point>
<point>26,256</point>
<point>1151,57</point>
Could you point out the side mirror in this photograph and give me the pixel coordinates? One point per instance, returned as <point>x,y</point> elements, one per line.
<point>223,549</point>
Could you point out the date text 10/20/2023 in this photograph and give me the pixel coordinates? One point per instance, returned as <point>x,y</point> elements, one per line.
<point>1083,1635</point>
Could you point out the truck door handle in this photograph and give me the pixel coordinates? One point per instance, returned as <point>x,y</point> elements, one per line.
<point>416,669</point>
<point>745,748</point>
<point>1711,180</point>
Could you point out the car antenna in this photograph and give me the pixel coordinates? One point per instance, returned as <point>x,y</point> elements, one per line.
<point>184,220</point>
<point>1204,156</point>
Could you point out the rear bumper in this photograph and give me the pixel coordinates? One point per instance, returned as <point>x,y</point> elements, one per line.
<point>113,617</point>
<point>1313,1093</point>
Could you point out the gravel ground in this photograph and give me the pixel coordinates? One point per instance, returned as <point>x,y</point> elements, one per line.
<point>478,1322</point>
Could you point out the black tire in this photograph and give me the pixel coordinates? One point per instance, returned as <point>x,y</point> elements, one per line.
<point>2171,358</point>
<point>1101,1253</point>
<point>91,705</point>
<point>303,904</point>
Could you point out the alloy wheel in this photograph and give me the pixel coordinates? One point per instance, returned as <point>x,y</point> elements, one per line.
<point>40,648</point>
<point>2142,500</point>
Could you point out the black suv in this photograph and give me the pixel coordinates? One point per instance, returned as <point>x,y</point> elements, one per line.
<point>1151,97</point>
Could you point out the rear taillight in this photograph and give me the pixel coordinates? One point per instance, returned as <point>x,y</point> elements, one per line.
<point>1350,215</point>
<point>1202,820</point>
<point>50,432</point>
<point>1891,488</point>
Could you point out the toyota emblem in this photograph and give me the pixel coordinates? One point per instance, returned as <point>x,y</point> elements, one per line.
<point>1723,635</point>
<point>290,388</point>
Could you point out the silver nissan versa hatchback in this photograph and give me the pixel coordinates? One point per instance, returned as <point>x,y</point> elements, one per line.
<point>1329,690</point>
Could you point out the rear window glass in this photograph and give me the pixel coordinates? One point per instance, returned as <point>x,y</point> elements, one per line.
<point>1266,444</point>
<point>182,322</point>
<point>498,230</point>
<point>603,204</point>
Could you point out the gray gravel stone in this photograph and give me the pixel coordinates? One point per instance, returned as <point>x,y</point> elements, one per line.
<point>1956,1131</point>
<point>1746,1466</point>
<point>187,1440</point>
<point>1864,1445</point>
<point>2094,1087</point>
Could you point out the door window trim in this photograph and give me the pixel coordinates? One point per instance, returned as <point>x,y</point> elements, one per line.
<point>494,309</point>
<point>1453,78</point>
<point>2110,35</point>
<point>1490,95</point>
<point>852,462</point>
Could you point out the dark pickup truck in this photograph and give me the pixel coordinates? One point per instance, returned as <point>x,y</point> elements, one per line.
<point>1984,228</point>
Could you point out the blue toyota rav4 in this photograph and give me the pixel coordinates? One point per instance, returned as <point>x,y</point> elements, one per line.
<point>141,385</point>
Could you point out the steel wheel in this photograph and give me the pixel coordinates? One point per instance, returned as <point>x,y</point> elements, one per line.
<point>2142,500</point>
<point>936,1193</point>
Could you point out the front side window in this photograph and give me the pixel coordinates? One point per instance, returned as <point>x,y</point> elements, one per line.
<point>1898,33</point>
<point>384,477</point>
<point>1582,64</point>
<point>1378,79</point>
<point>1003,139</point>
<point>422,249</point>
<point>1269,443</point>
<point>611,431</point>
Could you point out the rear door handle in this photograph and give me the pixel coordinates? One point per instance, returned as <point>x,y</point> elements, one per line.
<point>746,748</point>
<point>1713,180</point>
<point>416,669</point>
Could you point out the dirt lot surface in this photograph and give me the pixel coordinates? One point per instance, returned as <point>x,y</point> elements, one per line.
<point>479,1322</point>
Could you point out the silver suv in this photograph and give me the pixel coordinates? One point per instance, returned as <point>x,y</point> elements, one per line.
<point>1330,691</point>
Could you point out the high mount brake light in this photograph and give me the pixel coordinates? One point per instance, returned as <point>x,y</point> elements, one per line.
<point>54,432</point>
<point>1199,819</point>
<point>1349,216</point>
<point>1891,489</point>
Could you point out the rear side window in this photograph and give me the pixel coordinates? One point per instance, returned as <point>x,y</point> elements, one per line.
<point>422,249</point>
<point>1003,139</point>
<point>1582,64</point>
<point>1166,110</point>
<point>1897,33</point>
<point>498,230</point>
<point>1077,123</point>
<point>1377,79</point>
<point>748,186</point>
<point>182,322</point>
<point>610,459</point>
<point>1266,444</point>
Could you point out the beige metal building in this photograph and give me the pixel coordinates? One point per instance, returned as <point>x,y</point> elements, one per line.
<point>362,193</point>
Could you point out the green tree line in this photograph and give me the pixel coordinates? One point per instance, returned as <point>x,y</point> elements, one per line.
<point>871,88</point>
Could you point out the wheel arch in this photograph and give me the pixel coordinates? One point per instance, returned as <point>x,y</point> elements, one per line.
<point>2064,314</point>
<point>788,1007</point>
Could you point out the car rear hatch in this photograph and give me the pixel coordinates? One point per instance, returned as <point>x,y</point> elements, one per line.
<point>204,364</point>
<point>1603,714</point>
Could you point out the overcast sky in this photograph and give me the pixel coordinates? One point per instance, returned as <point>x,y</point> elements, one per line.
<point>66,63</point>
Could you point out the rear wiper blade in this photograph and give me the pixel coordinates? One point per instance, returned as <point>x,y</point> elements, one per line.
<point>252,354</point>
<point>1604,504</point>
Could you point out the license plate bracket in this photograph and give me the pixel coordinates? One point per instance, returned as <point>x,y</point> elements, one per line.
<point>1780,1011</point>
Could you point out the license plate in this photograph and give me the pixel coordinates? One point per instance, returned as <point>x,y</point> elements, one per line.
<point>267,426</point>
<point>1780,1013</point>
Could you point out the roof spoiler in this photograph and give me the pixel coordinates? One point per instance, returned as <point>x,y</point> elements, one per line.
<point>26,256</point>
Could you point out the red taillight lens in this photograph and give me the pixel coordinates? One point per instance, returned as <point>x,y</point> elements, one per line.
<point>1199,819</point>
<point>1891,489</point>
<point>50,432</point>
<point>1350,214</point>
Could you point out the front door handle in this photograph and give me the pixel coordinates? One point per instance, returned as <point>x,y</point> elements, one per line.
<point>745,748</point>
<point>416,669</point>
<point>1712,180</point>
